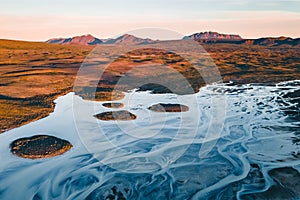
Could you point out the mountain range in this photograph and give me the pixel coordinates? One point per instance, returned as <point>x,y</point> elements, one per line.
<point>213,36</point>
<point>128,39</point>
<point>91,40</point>
<point>78,40</point>
<point>201,37</point>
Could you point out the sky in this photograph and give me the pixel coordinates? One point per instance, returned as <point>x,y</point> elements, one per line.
<point>39,20</point>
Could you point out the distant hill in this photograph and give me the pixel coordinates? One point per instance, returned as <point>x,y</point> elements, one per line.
<point>91,40</point>
<point>128,39</point>
<point>270,41</point>
<point>201,37</point>
<point>206,37</point>
<point>214,37</point>
<point>78,40</point>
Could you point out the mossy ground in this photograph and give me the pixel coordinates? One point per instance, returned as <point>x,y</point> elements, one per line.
<point>33,74</point>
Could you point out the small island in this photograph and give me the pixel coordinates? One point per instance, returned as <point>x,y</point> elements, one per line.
<point>39,146</point>
<point>122,115</point>
<point>161,107</point>
<point>113,105</point>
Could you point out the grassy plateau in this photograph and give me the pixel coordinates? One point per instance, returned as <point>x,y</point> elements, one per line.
<point>33,74</point>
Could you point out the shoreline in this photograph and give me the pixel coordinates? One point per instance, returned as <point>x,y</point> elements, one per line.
<point>53,97</point>
<point>48,108</point>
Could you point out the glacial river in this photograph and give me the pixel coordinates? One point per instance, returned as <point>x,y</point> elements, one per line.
<point>227,146</point>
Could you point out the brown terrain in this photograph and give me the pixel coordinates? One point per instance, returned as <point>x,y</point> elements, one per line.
<point>113,105</point>
<point>122,115</point>
<point>161,107</point>
<point>39,146</point>
<point>33,74</point>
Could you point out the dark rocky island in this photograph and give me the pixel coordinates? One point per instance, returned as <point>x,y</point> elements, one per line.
<point>116,115</point>
<point>113,105</point>
<point>161,107</point>
<point>40,146</point>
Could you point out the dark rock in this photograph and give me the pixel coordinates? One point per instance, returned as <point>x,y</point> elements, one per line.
<point>39,146</point>
<point>113,105</point>
<point>116,115</point>
<point>155,88</point>
<point>168,108</point>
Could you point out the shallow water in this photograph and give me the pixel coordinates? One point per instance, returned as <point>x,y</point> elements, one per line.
<point>223,147</point>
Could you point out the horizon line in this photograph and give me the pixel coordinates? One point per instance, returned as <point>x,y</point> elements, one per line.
<point>116,36</point>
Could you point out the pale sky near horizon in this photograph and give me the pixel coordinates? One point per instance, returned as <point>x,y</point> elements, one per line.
<point>39,20</point>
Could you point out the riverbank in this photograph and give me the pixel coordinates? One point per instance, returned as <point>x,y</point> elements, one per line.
<point>34,74</point>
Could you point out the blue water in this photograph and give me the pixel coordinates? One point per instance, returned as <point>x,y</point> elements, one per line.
<point>224,147</point>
